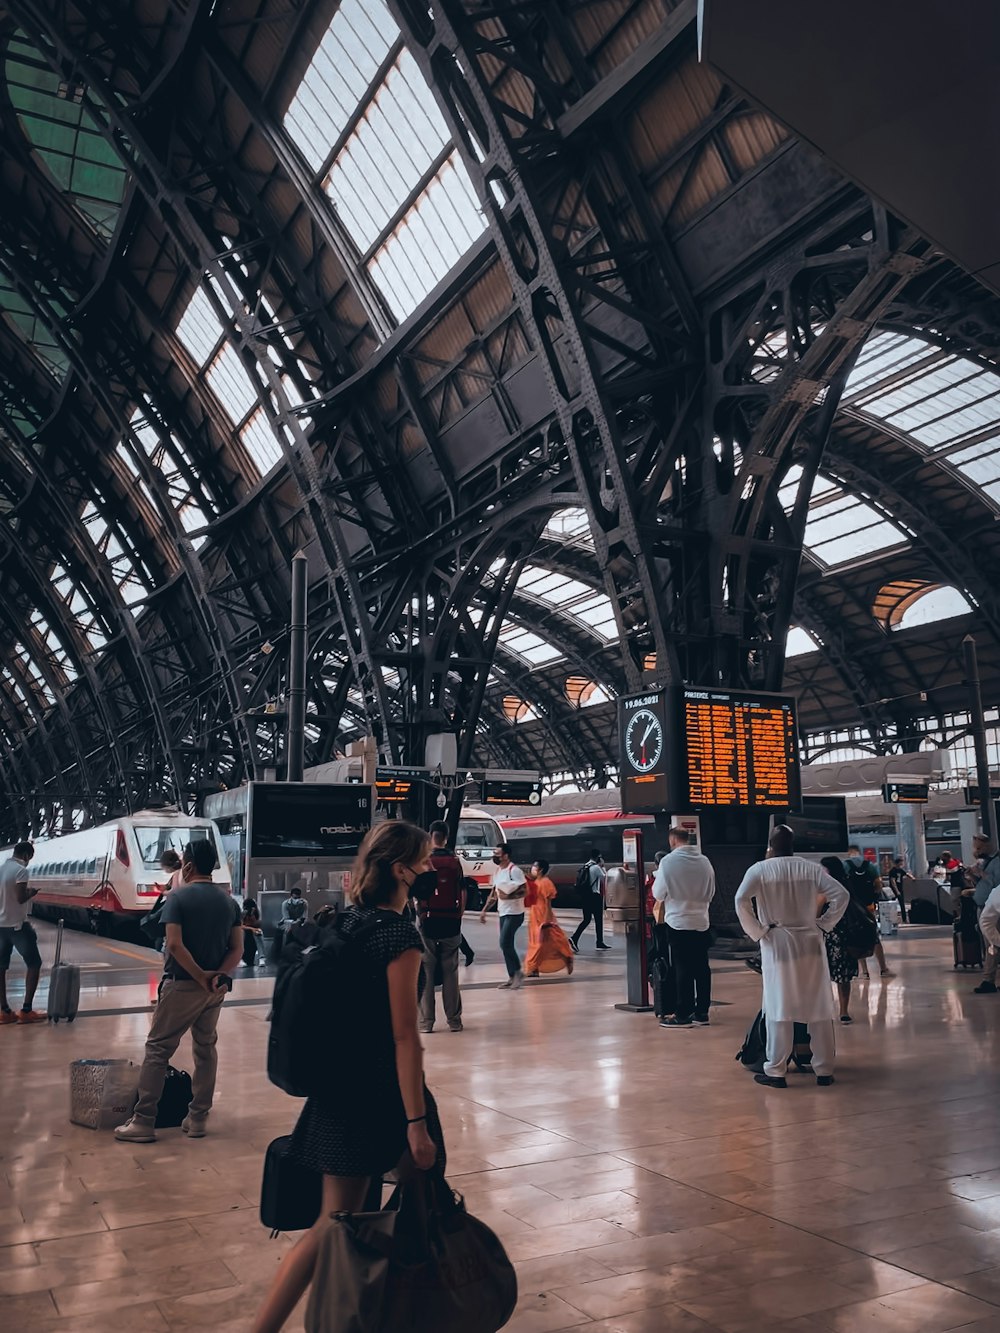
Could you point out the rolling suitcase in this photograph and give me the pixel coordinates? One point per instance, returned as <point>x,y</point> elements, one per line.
<point>290,1195</point>
<point>64,986</point>
<point>968,949</point>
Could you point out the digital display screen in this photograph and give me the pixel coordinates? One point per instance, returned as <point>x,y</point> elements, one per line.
<point>741,749</point>
<point>293,820</point>
<point>647,753</point>
<point>511,792</point>
<point>820,826</point>
<point>917,793</point>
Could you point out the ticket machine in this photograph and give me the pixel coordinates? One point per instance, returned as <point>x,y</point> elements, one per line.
<point>625,897</point>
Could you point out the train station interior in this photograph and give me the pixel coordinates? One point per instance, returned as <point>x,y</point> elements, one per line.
<point>577,422</point>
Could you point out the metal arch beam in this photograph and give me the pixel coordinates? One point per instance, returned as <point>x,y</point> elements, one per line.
<point>441,41</point>
<point>866,475</point>
<point>124,128</point>
<point>170,535</point>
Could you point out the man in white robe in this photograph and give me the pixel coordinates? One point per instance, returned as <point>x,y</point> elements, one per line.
<point>790,893</point>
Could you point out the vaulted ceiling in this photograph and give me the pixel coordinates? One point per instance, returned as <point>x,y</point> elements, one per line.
<point>567,368</point>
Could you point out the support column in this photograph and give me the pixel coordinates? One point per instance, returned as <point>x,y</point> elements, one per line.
<point>912,842</point>
<point>979,735</point>
<point>968,827</point>
<point>298,630</point>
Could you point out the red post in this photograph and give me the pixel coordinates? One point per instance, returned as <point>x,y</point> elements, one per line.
<point>633,860</point>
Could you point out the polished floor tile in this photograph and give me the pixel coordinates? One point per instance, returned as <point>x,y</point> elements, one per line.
<point>641,1183</point>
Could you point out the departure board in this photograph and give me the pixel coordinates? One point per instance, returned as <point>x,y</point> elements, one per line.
<point>741,749</point>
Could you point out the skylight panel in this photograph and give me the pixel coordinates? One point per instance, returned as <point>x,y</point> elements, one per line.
<point>430,238</point>
<point>345,64</point>
<point>260,442</point>
<point>798,642</point>
<point>937,604</point>
<point>569,525</point>
<point>199,328</point>
<point>231,384</point>
<point>886,354</point>
<point>385,157</point>
<point>528,645</point>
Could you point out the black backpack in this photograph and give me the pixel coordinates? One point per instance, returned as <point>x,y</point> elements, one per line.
<point>859,881</point>
<point>583,883</point>
<point>859,932</point>
<point>324,977</point>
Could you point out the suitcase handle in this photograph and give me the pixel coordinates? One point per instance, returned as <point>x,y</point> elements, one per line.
<point>59,937</point>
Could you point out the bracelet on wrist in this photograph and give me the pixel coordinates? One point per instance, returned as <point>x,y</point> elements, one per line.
<point>417,1119</point>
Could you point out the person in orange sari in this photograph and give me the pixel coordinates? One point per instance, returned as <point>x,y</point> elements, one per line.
<point>548,947</point>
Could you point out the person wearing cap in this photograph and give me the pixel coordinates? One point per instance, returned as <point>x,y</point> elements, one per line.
<point>685,884</point>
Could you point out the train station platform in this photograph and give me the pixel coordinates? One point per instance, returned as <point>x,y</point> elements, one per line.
<point>639,1178</point>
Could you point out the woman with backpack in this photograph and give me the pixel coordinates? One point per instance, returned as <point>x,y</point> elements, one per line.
<point>843,966</point>
<point>382,1115</point>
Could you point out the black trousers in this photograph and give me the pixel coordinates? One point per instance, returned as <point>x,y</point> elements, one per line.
<point>593,910</point>
<point>689,951</point>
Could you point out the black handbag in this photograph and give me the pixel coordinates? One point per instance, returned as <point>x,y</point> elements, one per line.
<point>175,1098</point>
<point>291,1195</point>
<point>420,1263</point>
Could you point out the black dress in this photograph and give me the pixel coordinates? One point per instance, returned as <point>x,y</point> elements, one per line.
<point>362,1130</point>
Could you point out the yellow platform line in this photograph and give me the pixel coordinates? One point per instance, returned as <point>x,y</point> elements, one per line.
<point>125,953</point>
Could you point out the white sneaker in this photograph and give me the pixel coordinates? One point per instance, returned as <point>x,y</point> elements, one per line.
<point>135,1131</point>
<point>517,981</point>
<point>195,1127</point>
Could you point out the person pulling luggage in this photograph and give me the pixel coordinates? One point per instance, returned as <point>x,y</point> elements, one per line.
<point>17,932</point>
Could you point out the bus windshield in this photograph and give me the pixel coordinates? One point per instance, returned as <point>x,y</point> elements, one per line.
<point>154,840</point>
<point>477,838</point>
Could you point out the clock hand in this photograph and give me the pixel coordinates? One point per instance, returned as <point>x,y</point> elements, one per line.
<point>648,730</point>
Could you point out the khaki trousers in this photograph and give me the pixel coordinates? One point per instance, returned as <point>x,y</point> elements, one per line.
<point>184,1006</point>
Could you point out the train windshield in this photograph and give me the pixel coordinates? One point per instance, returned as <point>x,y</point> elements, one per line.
<point>477,838</point>
<point>154,840</point>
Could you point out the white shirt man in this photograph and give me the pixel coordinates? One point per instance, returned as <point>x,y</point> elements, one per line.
<point>509,888</point>
<point>17,932</point>
<point>989,919</point>
<point>685,884</point>
<point>789,893</point>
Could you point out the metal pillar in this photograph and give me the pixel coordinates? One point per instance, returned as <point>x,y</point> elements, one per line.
<point>912,842</point>
<point>298,633</point>
<point>978,735</point>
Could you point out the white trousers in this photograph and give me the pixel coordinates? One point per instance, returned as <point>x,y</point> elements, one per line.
<point>780,1039</point>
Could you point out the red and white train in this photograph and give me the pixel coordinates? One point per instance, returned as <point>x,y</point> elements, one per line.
<point>111,874</point>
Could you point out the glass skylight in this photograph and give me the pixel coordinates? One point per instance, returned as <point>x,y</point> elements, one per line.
<point>946,403</point>
<point>366,121</point>
<point>569,525</point>
<point>840,527</point>
<point>199,328</point>
<point>534,650</point>
<point>261,445</point>
<point>571,597</point>
<point>57,124</point>
<point>934,605</point>
<point>799,642</point>
<point>170,463</point>
<point>229,381</point>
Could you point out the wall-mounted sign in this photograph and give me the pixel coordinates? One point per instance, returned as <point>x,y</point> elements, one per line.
<point>501,791</point>
<point>906,793</point>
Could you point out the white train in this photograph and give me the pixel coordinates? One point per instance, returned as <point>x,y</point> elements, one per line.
<point>478,835</point>
<point>112,872</point>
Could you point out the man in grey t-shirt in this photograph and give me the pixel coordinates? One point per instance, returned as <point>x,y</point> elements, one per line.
<point>204,944</point>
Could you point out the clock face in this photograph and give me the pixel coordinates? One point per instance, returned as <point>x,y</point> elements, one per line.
<point>644,740</point>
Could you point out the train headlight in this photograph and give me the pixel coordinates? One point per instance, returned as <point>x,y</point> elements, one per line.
<point>147,890</point>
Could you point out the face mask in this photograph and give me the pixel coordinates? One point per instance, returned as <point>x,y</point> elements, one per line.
<point>858,860</point>
<point>496,860</point>
<point>423,885</point>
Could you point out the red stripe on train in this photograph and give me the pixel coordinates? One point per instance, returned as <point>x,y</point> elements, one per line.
<point>580,817</point>
<point>103,897</point>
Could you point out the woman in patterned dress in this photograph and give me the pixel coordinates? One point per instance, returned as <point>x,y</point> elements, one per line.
<point>385,1112</point>
<point>843,968</point>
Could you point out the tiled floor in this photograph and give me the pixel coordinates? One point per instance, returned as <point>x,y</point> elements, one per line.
<point>639,1178</point>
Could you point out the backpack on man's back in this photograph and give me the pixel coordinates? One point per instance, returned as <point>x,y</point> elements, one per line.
<point>584,882</point>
